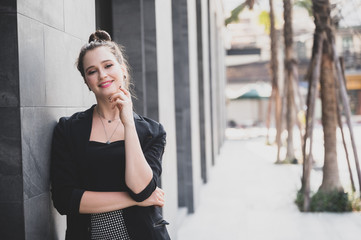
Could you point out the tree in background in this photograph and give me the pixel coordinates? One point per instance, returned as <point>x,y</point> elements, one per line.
<point>237,10</point>
<point>275,96</point>
<point>322,69</point>
<point>290,64</point>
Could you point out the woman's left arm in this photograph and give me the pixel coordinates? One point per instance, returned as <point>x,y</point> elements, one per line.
<point>142,169</point>
<point>151,153</point>
<point>138,173</point>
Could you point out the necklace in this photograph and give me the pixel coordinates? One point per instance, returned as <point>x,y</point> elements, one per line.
<point>106,135</point>
<point>108,120</point>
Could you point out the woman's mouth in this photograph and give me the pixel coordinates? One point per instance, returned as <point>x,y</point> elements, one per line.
<point>105,84</point>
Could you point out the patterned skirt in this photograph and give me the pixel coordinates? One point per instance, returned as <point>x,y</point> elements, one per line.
<point>108,226</point>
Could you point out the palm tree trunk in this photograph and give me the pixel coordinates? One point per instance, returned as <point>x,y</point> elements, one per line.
<point>331,179</point>
<point>298,104</point>
<point>269,112</point>
<point>289,61</point>
<point>274,71</point>
<point>311,102</point>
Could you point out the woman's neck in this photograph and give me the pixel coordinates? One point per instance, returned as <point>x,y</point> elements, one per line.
<point>104,108</point>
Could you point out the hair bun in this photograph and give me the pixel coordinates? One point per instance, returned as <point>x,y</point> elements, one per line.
<point>99,35</point>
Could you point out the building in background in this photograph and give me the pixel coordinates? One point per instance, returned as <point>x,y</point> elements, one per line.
<point>176,50</point>
<point>248,57</point>
<point>348,40</point>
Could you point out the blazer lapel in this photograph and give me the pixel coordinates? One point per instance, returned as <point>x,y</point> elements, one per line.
<point>81,128</point>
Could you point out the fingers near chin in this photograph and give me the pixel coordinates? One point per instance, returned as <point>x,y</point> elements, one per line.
<point>125,91</point>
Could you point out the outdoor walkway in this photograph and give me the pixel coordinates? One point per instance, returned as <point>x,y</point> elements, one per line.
<point>248,197</point>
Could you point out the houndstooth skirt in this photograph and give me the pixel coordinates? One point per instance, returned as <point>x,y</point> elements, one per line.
<point>108,226</point>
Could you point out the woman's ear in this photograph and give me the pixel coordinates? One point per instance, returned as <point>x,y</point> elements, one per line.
<point>125,75</point>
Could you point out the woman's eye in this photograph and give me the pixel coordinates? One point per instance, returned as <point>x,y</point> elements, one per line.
<point>91,72</point>
<point>108,65</point>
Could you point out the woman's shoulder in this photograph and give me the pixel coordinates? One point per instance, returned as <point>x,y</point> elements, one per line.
<point>80,115</point>
<point>145,123</point>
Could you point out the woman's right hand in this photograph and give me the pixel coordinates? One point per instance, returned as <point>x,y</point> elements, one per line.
<point>156,199</point>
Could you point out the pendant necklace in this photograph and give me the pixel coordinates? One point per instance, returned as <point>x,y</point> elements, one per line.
<point>109,121</point>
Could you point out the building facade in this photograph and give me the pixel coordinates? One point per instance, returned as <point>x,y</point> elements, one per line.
<point>176,51</point>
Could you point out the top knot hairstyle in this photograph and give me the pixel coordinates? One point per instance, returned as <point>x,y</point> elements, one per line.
<point>101,38</point>
<point>99,35</point>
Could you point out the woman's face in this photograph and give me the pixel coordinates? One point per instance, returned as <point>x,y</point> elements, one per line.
<point>103,73</point>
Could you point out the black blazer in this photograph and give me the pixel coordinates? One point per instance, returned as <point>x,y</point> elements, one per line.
<point>70,138</point>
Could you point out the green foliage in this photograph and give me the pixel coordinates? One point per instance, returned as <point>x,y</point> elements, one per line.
<point>306,4</point>
<point>330,202</point>
<point>299,200</point>
<point>288,161</point>
<point>355,202</point>
<point>234,14</point>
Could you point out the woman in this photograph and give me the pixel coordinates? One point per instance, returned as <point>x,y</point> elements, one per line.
<point>106,161</point>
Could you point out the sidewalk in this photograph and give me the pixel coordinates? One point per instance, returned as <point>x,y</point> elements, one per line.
<point>248,197</point>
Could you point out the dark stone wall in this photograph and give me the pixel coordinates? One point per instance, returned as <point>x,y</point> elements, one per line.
<point>182,104</point>
<point>134,28</point>
<point>11,180</point>
<point>39,84</point>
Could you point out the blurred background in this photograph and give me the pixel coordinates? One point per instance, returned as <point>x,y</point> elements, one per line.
<point>261,101</point>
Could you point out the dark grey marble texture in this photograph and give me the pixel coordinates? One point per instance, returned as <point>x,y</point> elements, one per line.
<point>151,102</point>
<point>128,31</point>
<point>11,184</point>
<point>7,6</point>
<point>12,220</point>
<point>202,130</point>
<point>9,63</point>
<point>11,181</point>
<point>134,27</point>
<point>182,102</point>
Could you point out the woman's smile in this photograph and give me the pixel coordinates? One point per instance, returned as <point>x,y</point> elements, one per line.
<point>106,84</point>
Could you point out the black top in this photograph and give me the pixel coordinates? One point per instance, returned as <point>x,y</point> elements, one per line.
<point>104,167</point>
<point>68,174</point>
<point>105,171</point>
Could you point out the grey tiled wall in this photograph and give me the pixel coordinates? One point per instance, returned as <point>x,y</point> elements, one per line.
<point>11,184</point>
<point>39,84</point>
<point>134,28</point>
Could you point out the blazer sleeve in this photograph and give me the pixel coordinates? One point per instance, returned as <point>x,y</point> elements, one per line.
<point>153,153</point>
<point>65,190</point>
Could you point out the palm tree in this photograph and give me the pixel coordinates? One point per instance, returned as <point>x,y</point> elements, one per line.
<point>237,10</point>
<point>289,78</point>
<point>322,67</point>
<point>275,96</point>
<point>330,180</point>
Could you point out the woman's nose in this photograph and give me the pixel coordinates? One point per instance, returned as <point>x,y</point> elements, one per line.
<point>102,74</point>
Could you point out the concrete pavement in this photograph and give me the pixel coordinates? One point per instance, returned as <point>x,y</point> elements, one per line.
<point>248,197</point>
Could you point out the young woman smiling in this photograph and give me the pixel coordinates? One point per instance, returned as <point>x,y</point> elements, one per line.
<point>106,161</point>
